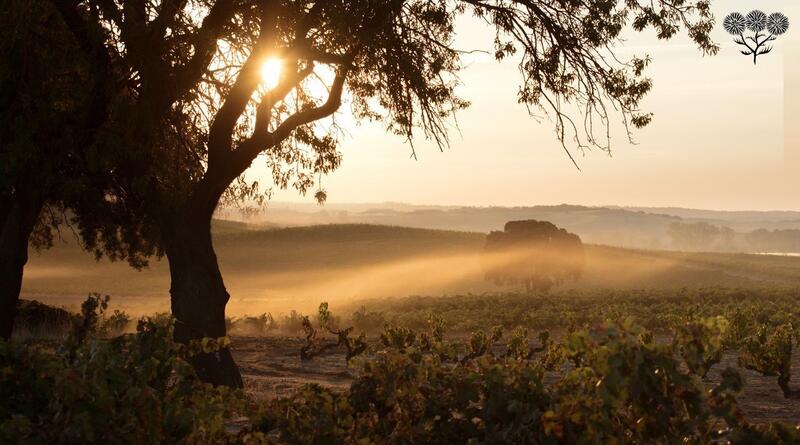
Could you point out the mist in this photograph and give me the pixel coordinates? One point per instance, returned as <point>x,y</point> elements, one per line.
<point>276,271</point>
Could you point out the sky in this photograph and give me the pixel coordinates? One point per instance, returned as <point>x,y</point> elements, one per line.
<point>724,136</point>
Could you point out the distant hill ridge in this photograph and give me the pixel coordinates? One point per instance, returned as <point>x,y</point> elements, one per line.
<point>640,227</point>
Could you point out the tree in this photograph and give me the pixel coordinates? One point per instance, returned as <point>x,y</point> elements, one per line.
<point>200,112</point>
<point>23,69</point>
<point>536,254</point>
<point>52,100</point>
<point>176,117</point>
<point>65,93</point>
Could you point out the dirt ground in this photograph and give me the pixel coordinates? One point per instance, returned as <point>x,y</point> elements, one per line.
<point>271,367</point>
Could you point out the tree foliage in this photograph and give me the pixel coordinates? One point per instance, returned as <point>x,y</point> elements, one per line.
<point>197,114</point>
<point>58,85</point>
<point>201,113</point>
<point>568,60</point>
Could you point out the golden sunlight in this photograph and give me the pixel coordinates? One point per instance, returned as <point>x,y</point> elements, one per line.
<point>271,72</point>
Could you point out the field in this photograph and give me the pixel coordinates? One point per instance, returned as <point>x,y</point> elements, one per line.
<point>381,275</point>
<point>278,270</point>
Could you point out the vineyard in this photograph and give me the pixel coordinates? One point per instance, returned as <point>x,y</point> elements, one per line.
<point>659,310</point>
<point>604,368</point>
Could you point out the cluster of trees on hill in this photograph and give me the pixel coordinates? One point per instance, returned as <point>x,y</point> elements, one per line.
<point>700,236</point>
<point>705,236</point>
<point>132,120</point>
<point>535,254</point>
<point>763,240</point>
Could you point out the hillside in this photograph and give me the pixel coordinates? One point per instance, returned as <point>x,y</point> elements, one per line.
<point>620,226</point>
<point>295,268</point>
<point>737,220</point>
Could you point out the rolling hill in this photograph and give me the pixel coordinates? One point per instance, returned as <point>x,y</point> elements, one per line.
<point>295,268</point>
<point>638,227</point>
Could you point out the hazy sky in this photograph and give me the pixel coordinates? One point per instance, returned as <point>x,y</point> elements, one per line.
<point>718,140</point>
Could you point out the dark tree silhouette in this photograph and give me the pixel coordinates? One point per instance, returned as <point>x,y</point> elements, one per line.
<point>535,254</point>
<point>55,91</point>
<point>568,59</point>
<point>190,112</point>
<point>24,70</point>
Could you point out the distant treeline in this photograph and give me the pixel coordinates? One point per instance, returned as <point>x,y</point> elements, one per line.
<point>705,236</point>
<point>762,240</point>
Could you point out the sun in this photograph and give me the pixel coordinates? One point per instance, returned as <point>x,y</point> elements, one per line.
<point>271,72</point>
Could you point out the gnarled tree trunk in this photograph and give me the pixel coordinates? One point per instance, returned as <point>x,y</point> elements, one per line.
<point>198,294</point>
<point>19,215</point>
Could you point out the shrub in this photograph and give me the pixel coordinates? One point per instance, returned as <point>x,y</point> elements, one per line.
<point>292,323</point>
<point>368,321</point>
<point>252,326</point>
<point>327,322</point>
<point>38,320</point>
<point>411,387</point>
<point>769,352</point>
<point>134,388</point>
<point>115,324</point>
<point>624,388</point>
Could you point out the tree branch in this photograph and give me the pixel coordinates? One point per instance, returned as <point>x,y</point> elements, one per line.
<point>312,114</point>
<point>167,11</point>
<point>250,148</point>
<point>275,95</point>
<point>110,11</point>
<point>91,41</point>
<point>205,45</point>
<point>220,135</point>
<point>306,52</point>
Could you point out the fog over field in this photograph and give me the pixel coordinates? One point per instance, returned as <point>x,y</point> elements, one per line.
<point>281,269</point>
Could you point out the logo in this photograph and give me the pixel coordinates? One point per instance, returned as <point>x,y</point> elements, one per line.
<point>762,30</point>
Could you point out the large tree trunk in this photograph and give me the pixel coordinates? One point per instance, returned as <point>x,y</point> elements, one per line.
<point>18,218</point>
<point>198,295</point>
